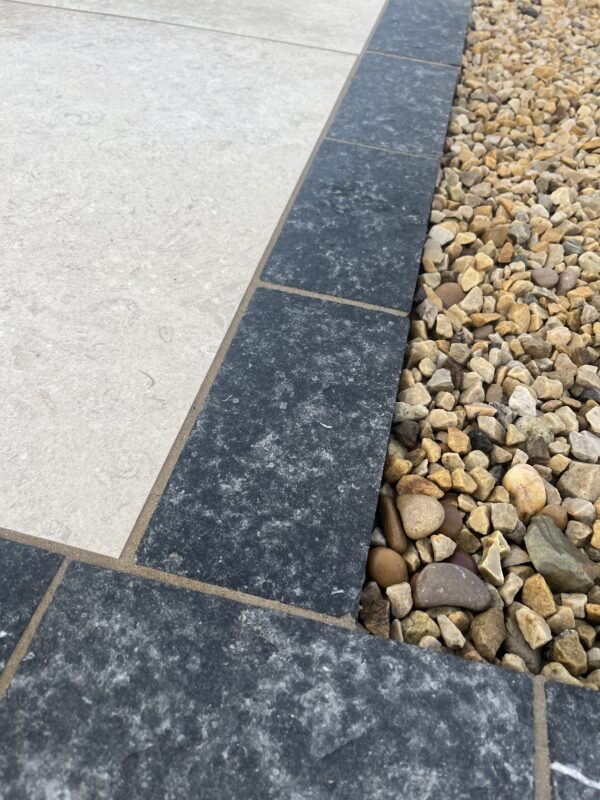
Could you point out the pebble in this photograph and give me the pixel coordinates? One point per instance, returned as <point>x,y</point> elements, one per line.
<point>538,597</point>
<point>374,610</point>
<point>581,480</point>
<point>421,515</point>
<point>444,584</point>
<point>567,650</point>
<point>534,628</point>
<point>417,625</point>
<point>564,566</point>
<point>386,567</point>
<point>443,546</point>
<point>400,597</point>
<point>463,559</point>
<point>488,632</point>
<point>526,490</point>
<point>451,635</point>
<point>391,525</point>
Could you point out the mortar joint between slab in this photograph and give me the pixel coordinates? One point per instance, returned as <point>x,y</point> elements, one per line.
<point>541,764</point>
<point>329,298</point>
<point>128,567</point>
<point>22,646</point>
<point>412,58</point>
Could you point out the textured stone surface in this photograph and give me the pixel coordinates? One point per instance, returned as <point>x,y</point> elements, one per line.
<point>334,24</point>
<point>573,738</point>
<point>400,105</point>
<point>447,584</point>
<point>25,574</point>
<point>357,227</point>
<point>564,566</point>
<point>256,502</point>
<point>140,690</point>
<point>137,201</point>
<point>433,30</point>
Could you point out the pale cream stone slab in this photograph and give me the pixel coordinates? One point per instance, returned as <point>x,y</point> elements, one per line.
<point>332,24</point>
<point>144,170</point>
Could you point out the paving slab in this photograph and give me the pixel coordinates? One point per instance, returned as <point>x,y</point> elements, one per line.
<point>275,490</point>
<point>397,104</point>
<point>25,574</point>
<point>573,725</point>
<point>357,227</point>
<point>332,24</point>
<point>141,690</point>
<point>145,169</point>
<point>433,30</point>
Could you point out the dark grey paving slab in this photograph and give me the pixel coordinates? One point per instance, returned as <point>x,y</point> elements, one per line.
<point>25,574</point>
<point>357,227</point>
<point>140,690</point>
<point>275,491</point>
<point>574,735</point>
<point>397,104</point>
<point>433,30</point>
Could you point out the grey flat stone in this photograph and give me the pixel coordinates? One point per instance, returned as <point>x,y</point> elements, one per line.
<point>25,574</point>
<point>276,488</point>
<point>433,30</point>
<point>140,691</point>
<point>357,227</point>
<point>573,716</point>
<point>396,104</point>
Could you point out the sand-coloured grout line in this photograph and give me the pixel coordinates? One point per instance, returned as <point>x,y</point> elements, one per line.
<point>330,298</point>
<point>73,554</point>
<point>541,764</point>
<point>379,149</point>
<point>139,529</point>
<point>22,646</point>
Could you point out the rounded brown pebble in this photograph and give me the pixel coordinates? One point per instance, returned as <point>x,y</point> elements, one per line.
<point>421,514</point>
<point>391,525</point>
<point>453,522</point>
<point>545,277</point>
<point>444,584</point>
<point>450,294</point>
<point>462,559</point>
<point>386,567</point>
<point>526,489</point>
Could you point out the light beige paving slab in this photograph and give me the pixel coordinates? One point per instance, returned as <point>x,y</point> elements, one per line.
<point>332,24</point>
<point>144,168</point>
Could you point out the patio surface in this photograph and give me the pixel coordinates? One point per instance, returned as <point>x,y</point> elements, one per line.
<point>212,225</point>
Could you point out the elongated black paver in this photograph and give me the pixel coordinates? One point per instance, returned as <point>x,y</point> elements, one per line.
<point>573,734</point>
<point>137,690</point>
<point>357,227</point>
<point>275,490</point>
<point>397,104</point>
<point>432,30</point>
<point>25,574</point>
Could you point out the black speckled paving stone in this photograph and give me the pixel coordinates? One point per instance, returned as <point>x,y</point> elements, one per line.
<point>25,574</point>
<point>141,691</point>
<point>433,30</point>
<point>357,228</point>
<point>574,738</point>
<point>275,491</point>
<point>397,104</point>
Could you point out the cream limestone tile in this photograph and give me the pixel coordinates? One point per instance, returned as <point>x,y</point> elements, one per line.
<point>333,24</point>
<point>144,170</point>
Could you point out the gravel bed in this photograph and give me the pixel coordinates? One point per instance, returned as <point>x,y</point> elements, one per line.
<point>487,539</point>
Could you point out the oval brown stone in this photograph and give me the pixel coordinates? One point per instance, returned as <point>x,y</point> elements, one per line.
<point>450,294</point>
<point>391,525</point>
<point>446,584</point>
<point>386,567</point>
<point>453,521</point>
<point>462,559</point>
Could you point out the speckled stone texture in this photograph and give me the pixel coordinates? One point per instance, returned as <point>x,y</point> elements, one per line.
<point>574,734</point>
<point>332,24</point>
<point>357,227</point>
<point>433,30</point>
<point>25,574</point>
<point>275,491</point>
<point>143,691</point>
<point>146,168</point>
<point>397,104</point>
